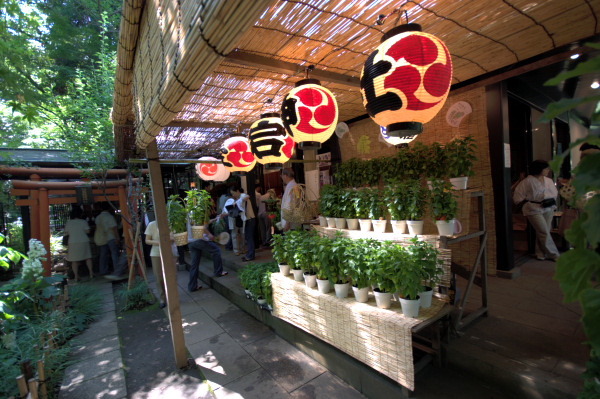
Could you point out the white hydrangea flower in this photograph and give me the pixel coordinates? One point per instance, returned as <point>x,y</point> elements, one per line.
<point>9,340</point>
<point>32,267</point>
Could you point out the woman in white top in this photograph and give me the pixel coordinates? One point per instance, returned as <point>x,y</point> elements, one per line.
<point>538,194</point>
<point>79,244</point>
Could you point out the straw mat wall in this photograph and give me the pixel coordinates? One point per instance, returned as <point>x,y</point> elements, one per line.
<point>354,144</point>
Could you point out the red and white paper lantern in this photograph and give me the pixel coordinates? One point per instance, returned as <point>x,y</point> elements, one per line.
<point>405,82</point>
<point>237,156</point>
<point>309,113</point>
<point>270,143</point>
<point>212,171</point>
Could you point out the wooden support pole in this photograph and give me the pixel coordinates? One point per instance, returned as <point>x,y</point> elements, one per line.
<point>22,385</point>
<point>33,392</point>
<point>42,379</point>
<point>45,229</point>
<point>126,227</point>
<point>35,210</point>
<point>169,275</point>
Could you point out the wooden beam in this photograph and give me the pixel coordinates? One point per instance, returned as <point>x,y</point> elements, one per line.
<point>206,125</point>
<point>168,266</point>
<point>288,68</point>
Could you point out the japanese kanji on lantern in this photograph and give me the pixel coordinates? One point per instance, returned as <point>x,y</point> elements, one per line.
<point>270,143</point>
<point>405,82</point>
<point>237,156</point>
<point>309,113</point>
<point>214,170</point>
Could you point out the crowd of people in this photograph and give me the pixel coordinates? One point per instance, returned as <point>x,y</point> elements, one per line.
<point>244,217</point>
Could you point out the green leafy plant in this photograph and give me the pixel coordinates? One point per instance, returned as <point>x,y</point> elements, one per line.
<point>327,199</point>
<point>361,202</point>
<point>424,254</point>
<point>279,249</point>
<point>397,201</point>
<point>256,278</point>
<point>577,270</point>
<point>176,214</point>
<point>442,203</point>
<point>305,250</point>
<point>460,155</point>
<point>416,200</point>
<point>361,256</point>
<point>376,204</point>
<point>347,203</point>
<point>332,258</point>
<point>386,264</point>
<point>197,206</point>
<point>8,255</point>
<point>436,162</point>
<point>136,297</point>
<point>408,279</point>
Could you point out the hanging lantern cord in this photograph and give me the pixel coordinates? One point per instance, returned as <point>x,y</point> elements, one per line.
<point>308,69</point>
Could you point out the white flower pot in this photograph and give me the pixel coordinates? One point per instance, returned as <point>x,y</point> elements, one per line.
<point>340,223</point>
<point>323,286</point>
<point>341,290</point>
<point>379,226</point>
<point>410,307</point>
<point>361,294</point>
<point>284,269</point>
<point>445,227</point>
<point>352,224</point>
<point>310,280</point>
<point>459,183</point>
<point>261,301</point>
<point>426,297</point>
<point>330,222</point>
<point>322,221</point>
<point>415,227</point>
<point>365,224</point>
<point>298,274</point>
<point>383,299</point>
<point>398,226</point>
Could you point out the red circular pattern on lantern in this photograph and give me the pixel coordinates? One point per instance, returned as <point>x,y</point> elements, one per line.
<point>406,79</point>
<point>310,113</point>
<point>237,156</point>
<point>211,171</point>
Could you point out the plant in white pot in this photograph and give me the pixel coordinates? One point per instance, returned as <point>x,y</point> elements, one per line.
<point>177,219</point>
<point>396,200</point>
<point>291,239</point>
<point>377,210</point>
<point>443,207</point>
<point>349,211</point>
<point>197,206</point>
<point>360,256</point>
<point>424,254</point>
<point>305,256</point>
<point>408,283</point>
<point>384,268</point>
<point>280,254</point>
<point>416,203</point>
<point>460,154</point>
<point>335,256</point>
<point>361,201</point>
<point>436,163</point>
<point>326,266</point>
<point>327,203</point>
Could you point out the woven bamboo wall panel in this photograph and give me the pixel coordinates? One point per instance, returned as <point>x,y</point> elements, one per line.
<point>380,338</point>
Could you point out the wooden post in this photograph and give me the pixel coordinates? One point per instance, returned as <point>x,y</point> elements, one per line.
<point>169,275</point>
<point>126,227</point>
<point>42,379</point>
<point>22,385</point>
<point>33,393</point>
<point>45,229</point>
<point>34,216</point>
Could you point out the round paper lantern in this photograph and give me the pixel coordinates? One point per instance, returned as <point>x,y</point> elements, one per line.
<point>395,141</point>
<point>406,81</point>
<point>270,143</point>
<point>309,113</point>
<point>237,156</point>
<point>212,171</point>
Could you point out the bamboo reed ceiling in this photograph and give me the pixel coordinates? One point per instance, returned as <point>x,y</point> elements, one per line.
<point>191,73</point>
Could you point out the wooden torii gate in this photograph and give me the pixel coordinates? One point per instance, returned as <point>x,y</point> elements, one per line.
<point>39,195</point>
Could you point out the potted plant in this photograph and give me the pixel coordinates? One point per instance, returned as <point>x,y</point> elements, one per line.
<point>197,205</point>
<point>408,281</point>
<point>396,200</point>
<point>436,162</point>
<point>349,211</point>
<point>304,256</point>
<point>416,202</point>
<point>377,210</point>
<point>291,239</point>
<point>326,269</point>
<point>177,219</point>
<point>325,203</point>
<point>460,154</point>
<point>280,254</point>
<point>361,203</point>
<point>333,259</point>
<point>360,256</point>
<point>427,257</point>
<point>443,207</point>
<point>385,264</point>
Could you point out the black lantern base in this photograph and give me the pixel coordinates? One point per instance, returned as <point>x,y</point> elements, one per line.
<point>404,129</point>
<point>273,166</point>
<point>240,174</point>
<point>309,145</point>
